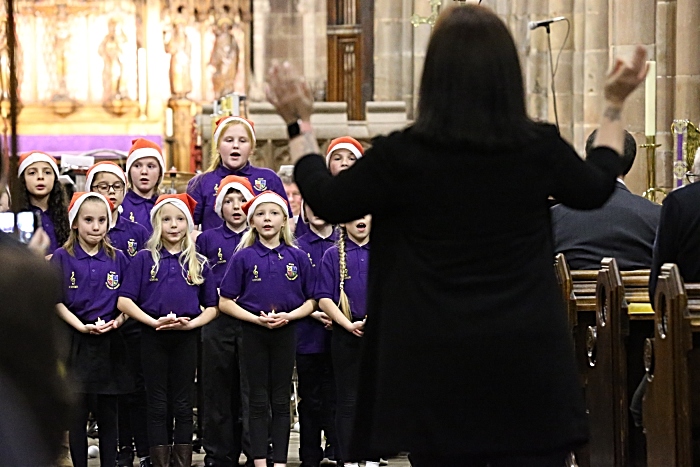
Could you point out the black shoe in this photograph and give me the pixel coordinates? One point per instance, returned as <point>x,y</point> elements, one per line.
<point>145,462</point>
<point>125,457</point>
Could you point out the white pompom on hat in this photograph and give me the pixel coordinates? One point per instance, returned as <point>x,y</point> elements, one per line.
<point>141,148</point>
<point>345,142</point>
<point>265,197</point>
<point>31,157</point>
<point>182,201</point>
<point>235,182</point>
<point>79,198</point>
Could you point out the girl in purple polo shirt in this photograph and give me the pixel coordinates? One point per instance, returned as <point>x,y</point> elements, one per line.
<point>168,285</point>
<point>232,145</point>
<point>43,194</point>
<point>221,378</point>
<point>108,179</point>
<point>342,294</point>
<point>267,285</point>
<point>145,168</point>
<point>92,271</point>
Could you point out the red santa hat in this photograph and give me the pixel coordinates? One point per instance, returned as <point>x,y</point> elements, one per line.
<point>345,142</point>
<point>105,166</point>
<point>232,182</point>
<point>79,198</point>
<point>265,197</point>
<point>223,121</point>
<point>141,148</point>
<point>31,157</point>
<point>182,201</point>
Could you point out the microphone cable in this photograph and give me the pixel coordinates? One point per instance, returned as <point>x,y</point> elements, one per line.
<point>554,67</point>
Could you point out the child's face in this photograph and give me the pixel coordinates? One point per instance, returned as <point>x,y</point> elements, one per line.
<point>173,225</point>
<point>294,197</point>
<point>110,186</point>
<point>341,159</point>
<point>92,222</point>
<point>144,174</point>
<point>268,219</point>
<point>235,147</point>
<point>39,178</point>
<point>312,218</point>
<point>232,209</point>
<point>358,230</point>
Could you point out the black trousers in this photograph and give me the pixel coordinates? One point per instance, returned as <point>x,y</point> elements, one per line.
<point>345,349</point>
<point>133,407</point>
<point>104,407</point>
<point>555,459</point>
<point>267,356</point>
<point>221,388</point>
<point>169,361</point>
<point>316,405</point>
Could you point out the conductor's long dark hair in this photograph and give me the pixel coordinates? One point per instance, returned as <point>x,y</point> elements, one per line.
<point>472,85</point>
<point>58,208</point>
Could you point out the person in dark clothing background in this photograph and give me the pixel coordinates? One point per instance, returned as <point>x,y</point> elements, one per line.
<point>623,228</point>
<point>464,302</point>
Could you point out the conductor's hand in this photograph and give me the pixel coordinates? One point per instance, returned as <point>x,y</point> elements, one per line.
<point>39,242</point>
<point>289,93</point>
<point>625,76</point>
<point>271,320</point>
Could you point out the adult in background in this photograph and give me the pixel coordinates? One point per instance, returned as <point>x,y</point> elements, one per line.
<point>623,228</point>
<point>468,359</point>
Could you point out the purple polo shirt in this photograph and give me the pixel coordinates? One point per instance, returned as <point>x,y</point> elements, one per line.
<point>158,294</point>
<point>47,225</point>
<point>357,263</point>
<point>312,336</point>
<point>218,246</point>
<point>128,236</point>
<point>263,279</point>
<point>90,284</point>
<point>302,229</point>
<point>138,209</point>
<point>204,186</point>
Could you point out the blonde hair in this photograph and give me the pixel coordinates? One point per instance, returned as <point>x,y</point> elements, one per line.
<point>105,244</point>
<point>215,156</point>
<point>194,261</point>
<point>343,302</point>
<point>286,235</point>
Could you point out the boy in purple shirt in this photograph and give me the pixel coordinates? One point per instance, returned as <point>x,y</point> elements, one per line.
<point>92,272</point>
<point>221,376</point>
<point>268,284</point>
<point>234,142</point>
<point>145,168</point>
<point>314,365</point>
<point>168,285</point>
<point>343,280</point>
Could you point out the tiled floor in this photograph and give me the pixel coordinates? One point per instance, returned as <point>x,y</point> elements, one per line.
<point>293,457</point>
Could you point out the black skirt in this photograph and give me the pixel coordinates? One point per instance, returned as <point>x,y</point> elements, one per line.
<point>98,364</point>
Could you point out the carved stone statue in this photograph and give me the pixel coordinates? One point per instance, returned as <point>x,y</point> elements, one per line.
<point>111,52</point>
<point>179,47</point>
<point>224,58</point>
<point>61,40</point>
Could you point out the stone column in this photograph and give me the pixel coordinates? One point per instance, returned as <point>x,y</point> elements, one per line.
<point>389,18</point>
<point>563,81</point>
<point>634,22</point>
<point>182,133</point>
<point>533,46</point>
<point>665,89</point>
<point>688,60</point>
<point>595,65</point>
<point>261,11</point>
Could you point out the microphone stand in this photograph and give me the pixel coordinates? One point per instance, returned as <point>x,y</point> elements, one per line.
<point>551,64</point>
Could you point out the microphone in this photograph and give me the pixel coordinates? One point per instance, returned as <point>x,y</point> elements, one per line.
<point>545,22</point>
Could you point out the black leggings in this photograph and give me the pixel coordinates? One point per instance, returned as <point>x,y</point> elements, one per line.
<point>268,358</point>
<point>133,407</point>
<point>104,407</point>
<point>169,361</point>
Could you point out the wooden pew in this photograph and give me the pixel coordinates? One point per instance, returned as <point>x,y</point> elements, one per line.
<point>614,350</point>
<point>672,401</point>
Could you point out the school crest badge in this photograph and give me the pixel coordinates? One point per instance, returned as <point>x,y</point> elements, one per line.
<point>261,184</point>
<point>112,280</point>
<point>131,247</point>
<point>292,271</point>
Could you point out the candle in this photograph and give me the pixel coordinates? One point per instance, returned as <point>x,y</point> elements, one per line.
<point>99,322</point>
<point>168,122</point>
<point>172,315</point>
<point>142,82</point>
<point>650,100</point>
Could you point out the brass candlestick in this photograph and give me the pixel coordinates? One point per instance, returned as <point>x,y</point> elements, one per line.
<point>652,190</point>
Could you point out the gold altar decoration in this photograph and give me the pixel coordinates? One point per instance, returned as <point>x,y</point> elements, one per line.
<point>686,142</point>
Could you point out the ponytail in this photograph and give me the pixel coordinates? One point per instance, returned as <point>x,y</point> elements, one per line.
<point>343,303</point>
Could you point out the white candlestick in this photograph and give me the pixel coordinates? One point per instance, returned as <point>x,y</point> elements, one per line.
<point>650,100</point>
<point>172,315</point>
<point>99,322</point>
<point>168,122</point>
<point>142,81</point>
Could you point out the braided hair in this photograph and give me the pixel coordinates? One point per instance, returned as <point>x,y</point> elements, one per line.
<point>343,303</point>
